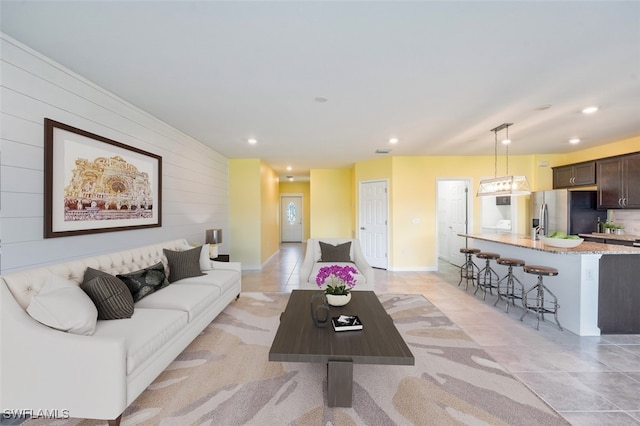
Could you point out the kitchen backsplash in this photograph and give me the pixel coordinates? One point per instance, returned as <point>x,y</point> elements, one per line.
<point>629,218</point>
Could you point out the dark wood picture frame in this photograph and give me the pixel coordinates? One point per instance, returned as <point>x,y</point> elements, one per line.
<point>93,184</point>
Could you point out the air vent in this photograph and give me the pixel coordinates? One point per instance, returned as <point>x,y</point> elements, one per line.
<point>383,151</point>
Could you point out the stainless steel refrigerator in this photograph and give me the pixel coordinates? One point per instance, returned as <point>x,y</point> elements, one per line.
<point>573,212</point>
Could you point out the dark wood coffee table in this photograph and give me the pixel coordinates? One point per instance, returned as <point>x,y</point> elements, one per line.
<point>299,340</point>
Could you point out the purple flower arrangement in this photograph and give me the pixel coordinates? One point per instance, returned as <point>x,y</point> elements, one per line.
<point>341,278</point>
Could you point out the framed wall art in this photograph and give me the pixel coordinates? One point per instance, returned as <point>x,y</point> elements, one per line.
<point>93,184</point>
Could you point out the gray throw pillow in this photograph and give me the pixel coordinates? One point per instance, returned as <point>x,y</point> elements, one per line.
<point>337,253</point>
<point>145,281</point>
<point>110,295</point>
<point>183,264</point>
<point>91,273</point>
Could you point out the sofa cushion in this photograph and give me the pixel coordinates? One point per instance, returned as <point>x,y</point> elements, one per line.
<point>192,299</point>
<point>146,332</point>
<point>145,281</point>
<point>110,295</point>
<point>337,253</point>
<point>62,305</point>
<point>183,264</point>
<point>224,279</point>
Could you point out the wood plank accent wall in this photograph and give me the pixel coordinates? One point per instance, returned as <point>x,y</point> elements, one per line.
<point>195,179</point>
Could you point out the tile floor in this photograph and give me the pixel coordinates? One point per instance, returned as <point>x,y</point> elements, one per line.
<point>589,380</point>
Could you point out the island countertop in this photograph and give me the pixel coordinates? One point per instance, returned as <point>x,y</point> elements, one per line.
<point>525,241</point>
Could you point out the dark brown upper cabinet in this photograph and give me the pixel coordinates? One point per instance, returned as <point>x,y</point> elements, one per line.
<point>619,182</point>
<point>571,175</point>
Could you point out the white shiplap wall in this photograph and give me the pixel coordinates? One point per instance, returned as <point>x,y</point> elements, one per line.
<point>195,179</point>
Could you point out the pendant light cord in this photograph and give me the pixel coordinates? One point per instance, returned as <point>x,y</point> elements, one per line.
<point>507,151</point>
<point>495,156</point>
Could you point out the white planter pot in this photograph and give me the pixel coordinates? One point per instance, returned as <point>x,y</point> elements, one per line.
<point>338,299</point>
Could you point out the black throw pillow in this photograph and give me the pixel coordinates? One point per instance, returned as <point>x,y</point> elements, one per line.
<point>145,281</point>
<point>183,264</point>
<point>111,296</point>
<point>337,253</point>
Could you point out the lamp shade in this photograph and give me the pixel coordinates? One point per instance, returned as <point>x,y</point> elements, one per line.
<point>505,185</point>
<point>213,236</point>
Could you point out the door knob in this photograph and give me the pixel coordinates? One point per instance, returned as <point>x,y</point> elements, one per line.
<point>362,228</point>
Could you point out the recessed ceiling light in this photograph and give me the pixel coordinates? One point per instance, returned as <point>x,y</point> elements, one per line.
<point>252,141</point>
<point>393,140</point>
<point>574,141</point>
<point>320,99</point>
<point>590,109</point>
<point>506,141</point>
<point>289,168</point>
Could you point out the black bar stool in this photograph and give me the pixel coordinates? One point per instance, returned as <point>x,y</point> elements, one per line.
<point>487,277</point>
<point>469,271</point>
<point>508,290</point>
<point>540,307</point>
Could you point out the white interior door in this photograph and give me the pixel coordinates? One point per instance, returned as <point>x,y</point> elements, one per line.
<point>291,222</point>
<point>453,212</point>
<point>373,222</point>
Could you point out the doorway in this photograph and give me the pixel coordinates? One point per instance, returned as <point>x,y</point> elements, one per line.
<point>455,216</point>
<point>291,218</point>
<point>374,222</point>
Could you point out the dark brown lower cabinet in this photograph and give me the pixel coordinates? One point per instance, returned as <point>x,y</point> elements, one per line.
<point>619,294</point>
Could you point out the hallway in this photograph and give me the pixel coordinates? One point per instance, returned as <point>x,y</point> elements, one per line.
<point>589,380</point>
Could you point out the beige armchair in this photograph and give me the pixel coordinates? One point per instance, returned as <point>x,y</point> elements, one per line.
<point>313,262</point>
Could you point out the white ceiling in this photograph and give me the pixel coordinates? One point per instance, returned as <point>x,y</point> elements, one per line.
<point>436,75</point>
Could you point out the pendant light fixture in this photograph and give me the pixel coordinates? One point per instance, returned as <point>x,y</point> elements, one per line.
<point>504,185</point>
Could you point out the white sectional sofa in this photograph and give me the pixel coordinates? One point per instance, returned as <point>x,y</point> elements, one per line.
<point>97,376</point>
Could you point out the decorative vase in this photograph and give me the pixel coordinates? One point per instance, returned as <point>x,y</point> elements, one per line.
<point>319,310</point>
<point>338,299</point>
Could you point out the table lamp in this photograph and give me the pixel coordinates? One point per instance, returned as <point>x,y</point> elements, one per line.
<point>213,237</point>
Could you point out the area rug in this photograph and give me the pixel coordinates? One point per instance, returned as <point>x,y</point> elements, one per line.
<point>224,378</point>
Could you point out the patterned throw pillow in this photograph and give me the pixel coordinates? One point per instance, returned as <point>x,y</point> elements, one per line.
<point>183,264</point>
<point>337,253</point>
<point>145,281</point>
<point>110,295</point>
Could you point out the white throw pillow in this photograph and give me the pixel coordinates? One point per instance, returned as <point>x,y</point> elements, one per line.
<point>205,261</point>
<point>61,304</point>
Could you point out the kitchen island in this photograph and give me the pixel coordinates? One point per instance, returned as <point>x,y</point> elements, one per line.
<point>597,286</point>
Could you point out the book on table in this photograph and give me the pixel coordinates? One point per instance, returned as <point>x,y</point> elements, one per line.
<point>346,323</point>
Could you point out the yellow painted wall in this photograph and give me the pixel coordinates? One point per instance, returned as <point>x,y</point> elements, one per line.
<point>333,198</point>
<point>245,215</point>
<point>303,188</point>
<point>414,199</point>
<point>331,204</point>
<point>608,150</point>
<point>270,208</point>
